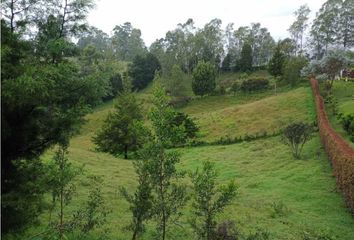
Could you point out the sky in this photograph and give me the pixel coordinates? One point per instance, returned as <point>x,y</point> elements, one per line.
<point>155,17</point>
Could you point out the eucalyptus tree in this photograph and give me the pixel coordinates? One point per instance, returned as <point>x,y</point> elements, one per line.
<point>346,24</point>
<point>298,27</point>
<point>127,42</point>
<point>326,24</point>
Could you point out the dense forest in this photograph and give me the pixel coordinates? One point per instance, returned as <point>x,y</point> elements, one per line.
<point>56,70</point>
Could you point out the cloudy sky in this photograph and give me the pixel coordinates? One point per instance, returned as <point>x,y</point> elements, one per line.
<point>155,17</point>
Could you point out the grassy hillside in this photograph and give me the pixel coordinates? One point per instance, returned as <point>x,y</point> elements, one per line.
<point>225,116</point>
<point>291,199</point>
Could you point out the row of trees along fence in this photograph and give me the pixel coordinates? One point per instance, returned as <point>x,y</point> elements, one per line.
<point>338,150</point>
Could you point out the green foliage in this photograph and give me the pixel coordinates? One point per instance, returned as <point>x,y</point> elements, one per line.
<point>275,66</point>
<point>298,27</point>
<point>163,117</point>
<point>296,135</point>
<point>209,200</point>
<point>23,203</point>
<point>175,82</point>
<point>169,196</point>
<point>190,127</point>
<point>141,201</point>
<point>43,104</point>
<point>204,79</point>
<point>123,130</point>
<point>347,122</point>
<point>127,42</point>
<point>61,185</point>
<point>246,58</point>
<point>235,87</point>
<point>142,70</point>
<point>94,212</point>
<point>226,63</point>
<point>292,70</point>
<point>254,84</point>
<point>61,177</point>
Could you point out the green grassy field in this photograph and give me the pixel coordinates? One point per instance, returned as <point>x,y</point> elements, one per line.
<point>291,199</point>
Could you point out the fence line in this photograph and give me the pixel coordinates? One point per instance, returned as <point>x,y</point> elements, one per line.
<point>340,153</point>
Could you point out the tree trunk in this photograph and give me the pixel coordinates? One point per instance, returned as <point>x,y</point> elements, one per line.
<point>126,152</point>
<point>61,213</point>
<point>134,234</point>
<point>12,17</point>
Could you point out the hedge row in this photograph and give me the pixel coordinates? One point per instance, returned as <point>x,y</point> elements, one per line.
<point>338,150</point>
<point>227,140</point>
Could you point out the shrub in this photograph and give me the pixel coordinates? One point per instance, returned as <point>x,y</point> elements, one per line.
<point>235,87</point>
<point>227,231</point>
<point>254,84</point>
<point>347,122</point>
<point>182,119</point>
<point>296,135</point>
<point>203,78</point>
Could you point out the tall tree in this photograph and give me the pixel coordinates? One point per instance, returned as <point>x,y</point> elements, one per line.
<point>246,58</point>
<point>95,37</point>
<point>142,70</point>
<point>275,66</point>
<point>346,24</point>
<point>326,23</point>
<point>298,27</point>
<point>127,42</point>
<point>44,96</point>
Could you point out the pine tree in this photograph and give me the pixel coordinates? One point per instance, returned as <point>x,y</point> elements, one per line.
<point>123,130</point>
<point>276,63</point>
<point>209,200</point>
<point>246,58</point>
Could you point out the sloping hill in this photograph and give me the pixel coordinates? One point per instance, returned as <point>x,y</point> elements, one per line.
<point>291,199</point>
<point>268,114</point>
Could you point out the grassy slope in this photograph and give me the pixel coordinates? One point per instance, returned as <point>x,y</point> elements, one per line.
<point>264,170</point>
<point>219,116</point>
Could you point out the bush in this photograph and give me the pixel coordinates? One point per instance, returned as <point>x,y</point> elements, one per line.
<point>190,127</point>
<point>204,78</point>
<point>296,135</point>
<point>347,122</point>
<point>235,87</point>
<point>254,84</point>
<point>227,231</point>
